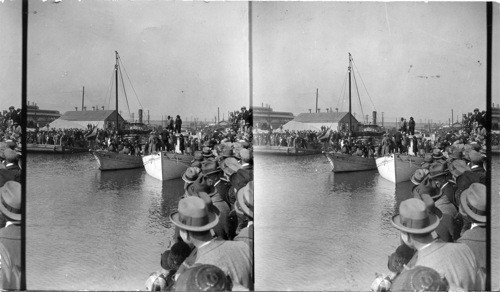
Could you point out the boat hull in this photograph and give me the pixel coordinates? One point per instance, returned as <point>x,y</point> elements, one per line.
<point>397,167</point>
<point>347,163</point>
<point>53,149</point>
<point>165,166</point>
<point>282,150</point>
<point>113,161</point>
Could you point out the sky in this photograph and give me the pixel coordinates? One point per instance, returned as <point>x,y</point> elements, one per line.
<point>415,59</point>
<point>186,58</point>
<point>190,58</point>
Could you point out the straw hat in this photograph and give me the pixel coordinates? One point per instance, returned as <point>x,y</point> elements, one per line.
<point>419,175</point>
<point>414,218</point>
<point>473,202</point>
<point>193,215</point>
<point>457,167</point>
<point>10,197</point>
<point>244,202</point>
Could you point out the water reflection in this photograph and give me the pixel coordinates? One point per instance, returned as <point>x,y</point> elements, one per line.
<point>319,230</point>
<point>110,227</point>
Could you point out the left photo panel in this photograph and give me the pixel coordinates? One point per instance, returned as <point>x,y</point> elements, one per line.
<point>11,158</point>
<point>139,163</point>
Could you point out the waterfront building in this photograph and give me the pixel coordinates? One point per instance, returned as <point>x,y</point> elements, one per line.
<point>265,116</point>
<point>102,119</point>
<point>40,117</point>
<point>337,121</point>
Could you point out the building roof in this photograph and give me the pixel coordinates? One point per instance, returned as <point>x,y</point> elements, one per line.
<point>101,115</point>
<point>330,117</point>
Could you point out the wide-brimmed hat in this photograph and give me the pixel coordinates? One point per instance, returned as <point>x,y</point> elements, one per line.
<point>244,202</point>
<point>227,152</point>
<point>207,152</point>
<point>474,156</point>
<point>194,215</point>
<point>10,197</point>
<point>437,169</point>
<point>198,156</point>
<point>209,167</point>
<point>436,153</point>
<point>414,217</point>
<point>240,179</point>
<point>428,158</point>
<point>426,187</point>
<point>203,277</point>
<point>230,166</point>
<point>420,278</point>
<point>455,153</point>
<point>191,174</point>
<point>457,167</point>
<point>246,154</point>
<point>419,175</point>
<point>10,155</point>
<point>473,202</point>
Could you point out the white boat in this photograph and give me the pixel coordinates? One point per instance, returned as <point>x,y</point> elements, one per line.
<point>165,165</point>
<point>398,167</point>
<point>108,160</point>
<point>341,162</point>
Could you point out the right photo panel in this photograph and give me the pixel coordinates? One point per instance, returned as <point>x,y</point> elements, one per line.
<point>370,144</point>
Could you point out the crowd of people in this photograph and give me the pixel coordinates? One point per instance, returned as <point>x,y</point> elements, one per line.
<point>213,249</point>
<point>443,226</point>
<point>10,196</point>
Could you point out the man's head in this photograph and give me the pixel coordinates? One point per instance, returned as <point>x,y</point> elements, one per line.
<point>473,203</point>
<point>10,197</point>
<point>194,220</point>
<point>414,221</point>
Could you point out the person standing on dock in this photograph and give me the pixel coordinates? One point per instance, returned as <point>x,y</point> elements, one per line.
<point>411,126</point>
<point>178,124</point>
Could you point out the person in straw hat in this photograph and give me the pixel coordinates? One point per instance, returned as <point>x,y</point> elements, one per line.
<point>195,220</point>
<point>244,209</point>
<point>10,236</point>
<point>455,260</point>
<point>473,205</point>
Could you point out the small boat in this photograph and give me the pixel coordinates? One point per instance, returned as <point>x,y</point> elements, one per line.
<point>345,162</point>
<point>165,165</point>
<point>284,150</point>
<point>398,167</point>
<point>53,149</point>
<point>108,160</point>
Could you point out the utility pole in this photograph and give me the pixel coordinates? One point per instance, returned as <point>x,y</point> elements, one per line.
<point>83,97</point>
<point>316,100</point>
<point>382,119</point>
<point>218,115</point>
<point>148,117</point>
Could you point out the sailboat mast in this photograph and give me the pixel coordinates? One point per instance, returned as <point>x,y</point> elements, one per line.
<point>116,88</point>
<point>350,115</point>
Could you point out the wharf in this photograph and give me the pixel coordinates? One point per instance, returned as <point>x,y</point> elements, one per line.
<point>53,149</point>
<point>282,150</point>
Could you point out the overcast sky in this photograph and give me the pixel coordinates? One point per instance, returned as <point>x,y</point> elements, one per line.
<point>415,59</point>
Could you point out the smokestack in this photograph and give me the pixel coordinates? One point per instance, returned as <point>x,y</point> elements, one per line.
<point>374,115</point>
<point>140,115</point>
